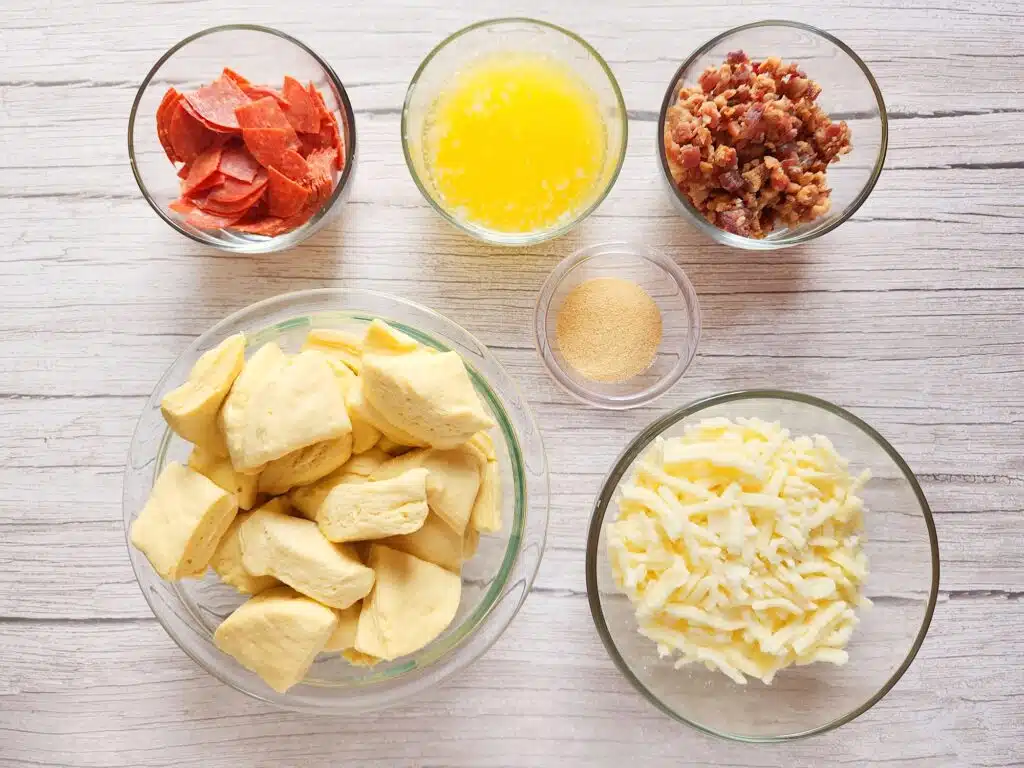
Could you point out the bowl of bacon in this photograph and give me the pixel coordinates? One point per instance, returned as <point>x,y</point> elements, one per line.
<point>242,138</point>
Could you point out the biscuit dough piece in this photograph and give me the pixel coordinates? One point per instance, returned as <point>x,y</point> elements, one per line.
<point>294,551</point>
<point>364,410</point>
<point>191,409</point>
<point>382,339</point>
<point>179,527</point>
<point>412,602</point>
<point>227,559</point>
<point>434,542</point>
<point>306,465</point>
<point>428,397</point>
<point>231,419</point>
<point>307,498</point>
<point>345,346</point>
<point>219,469</point>
<point>277,634</point>
<point>486,514</point>
<point>453,479</point>
<point>344,636</point>
<point>299,403</point>
<point>373,510</point>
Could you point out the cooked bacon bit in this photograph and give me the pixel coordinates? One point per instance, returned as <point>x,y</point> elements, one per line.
<point>749,146</point>
<point>689,157</point>
<point>731,181</point>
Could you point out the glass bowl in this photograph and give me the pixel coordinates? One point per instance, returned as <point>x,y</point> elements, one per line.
<point>663,280</point>
<point>495,581</point>
<point>903,583</point>
<point>848,92</point>
<point>519,35</point>
<point>263,55</point>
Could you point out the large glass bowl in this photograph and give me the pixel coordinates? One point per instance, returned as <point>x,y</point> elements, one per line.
<point>494,582</point>
<point>264,56</point>
<point>848,92</point>
<point>903,583</point>
<point>515,35</point>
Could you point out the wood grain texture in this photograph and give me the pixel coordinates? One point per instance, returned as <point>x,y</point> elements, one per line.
<point>911,314</point>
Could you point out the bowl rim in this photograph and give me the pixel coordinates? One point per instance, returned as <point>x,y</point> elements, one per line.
<point>630,454</point>
<point>750,243</point>
<point>514,239</point>
<point>542,310</point>
<point>350,143</point>
<point>518,550</point>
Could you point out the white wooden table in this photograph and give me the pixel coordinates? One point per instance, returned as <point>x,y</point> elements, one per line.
<point>911,314</point>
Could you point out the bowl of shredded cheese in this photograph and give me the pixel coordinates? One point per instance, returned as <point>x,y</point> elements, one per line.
<point>762,565</point>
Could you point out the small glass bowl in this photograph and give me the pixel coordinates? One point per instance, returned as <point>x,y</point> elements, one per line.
<point>263,55</point>
<point>517,35</point>
<point>848,92</point>
<point>664,282</point>
<point>495,581</point>
<point>903,583</point>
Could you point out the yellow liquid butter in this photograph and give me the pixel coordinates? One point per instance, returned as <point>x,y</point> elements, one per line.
<point>516,143</point>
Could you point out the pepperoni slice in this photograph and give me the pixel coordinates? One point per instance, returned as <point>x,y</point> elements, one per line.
<point>216,103</point>
<point>163,122</point>
<point>202,220</point>
<point>188,137</point>
<point>292,165</point>
<point>236,78</point>
<point>302,112</point>
<point>237,162</point>
<point>240,207</point>
<point>270,146</point>
<point>256,92</point>
<point>330,131</point>
<point>204,166</point>
<point>284,197</point>
<point>263,113</point>
<point>232,190</point>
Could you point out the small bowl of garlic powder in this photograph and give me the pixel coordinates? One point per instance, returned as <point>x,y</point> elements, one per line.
<point>617,324</point>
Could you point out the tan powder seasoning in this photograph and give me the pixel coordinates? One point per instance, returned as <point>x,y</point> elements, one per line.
<point>608,329</point>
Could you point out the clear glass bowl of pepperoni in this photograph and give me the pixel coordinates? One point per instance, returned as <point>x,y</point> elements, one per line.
<point>771,135</point>
<point>242,138</point>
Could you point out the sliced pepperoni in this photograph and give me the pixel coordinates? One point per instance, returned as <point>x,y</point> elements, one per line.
<point>256,92</point>
<point>292,165</point>
<point>182,206</point>
<point>163,122</point>
<point>204,166</point>
<point>237,162</point>
<point>187,135</point>
<point>216,103</point>
<point>202,220</point>
<point>284,197</point>
<point>240,206</point>
<point>330,130</point>
<point>263,113</point>
<point>236,78</point>
<point>320,180</point>
<point>232,190</point>
<point>214,179</point>
<point>270,145</point>
<point>203,121</point>
<point>302,112</point>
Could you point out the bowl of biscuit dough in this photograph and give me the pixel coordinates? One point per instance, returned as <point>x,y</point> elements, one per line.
<point>335,500</point>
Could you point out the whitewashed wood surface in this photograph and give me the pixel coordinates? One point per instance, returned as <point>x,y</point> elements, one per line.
<point>911,314</point>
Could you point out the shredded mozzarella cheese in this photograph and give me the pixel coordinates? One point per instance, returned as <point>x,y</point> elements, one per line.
<point>740,548</point>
